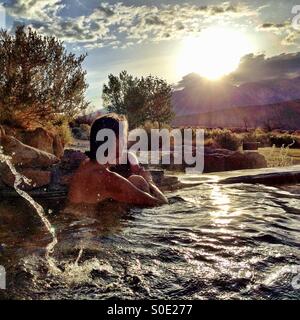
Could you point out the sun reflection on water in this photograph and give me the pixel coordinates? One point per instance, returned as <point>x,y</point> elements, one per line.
<point>224,209</point>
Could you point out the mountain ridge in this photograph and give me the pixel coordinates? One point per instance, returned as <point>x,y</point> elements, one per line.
<point>198,95</point>
<point>283,115</point>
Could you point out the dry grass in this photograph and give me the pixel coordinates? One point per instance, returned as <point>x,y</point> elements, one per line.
<point>281,157</point>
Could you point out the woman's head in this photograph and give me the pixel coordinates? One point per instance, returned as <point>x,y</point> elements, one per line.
<point>117,123</point>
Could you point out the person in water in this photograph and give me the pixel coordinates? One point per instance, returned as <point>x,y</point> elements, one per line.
<point>129,183</point>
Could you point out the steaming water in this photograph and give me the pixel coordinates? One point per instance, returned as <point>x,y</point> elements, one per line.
<point>212,242</point>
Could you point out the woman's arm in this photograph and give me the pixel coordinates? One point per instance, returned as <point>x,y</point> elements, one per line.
<point>157,193</point>
<point>138,170</point>
<point>153,188</point>
<point>120,189</point>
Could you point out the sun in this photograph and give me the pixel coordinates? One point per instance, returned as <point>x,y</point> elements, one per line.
<point>215,53</point>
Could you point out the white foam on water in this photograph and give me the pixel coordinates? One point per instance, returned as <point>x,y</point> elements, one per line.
<point>38,208</point>
<point>73,272</point>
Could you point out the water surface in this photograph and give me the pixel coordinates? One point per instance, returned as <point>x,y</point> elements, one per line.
<point>212,242</point>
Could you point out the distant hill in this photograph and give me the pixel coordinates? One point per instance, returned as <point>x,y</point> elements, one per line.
<point>199,101</point>
<point>284,115</point>
<point>198,95</point>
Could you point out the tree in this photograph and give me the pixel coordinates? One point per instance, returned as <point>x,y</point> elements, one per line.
<point>40,83</point>
<point>140,99</point>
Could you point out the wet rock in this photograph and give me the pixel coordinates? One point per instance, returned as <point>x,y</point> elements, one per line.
<point>217,160</point>
<point>229,161</point>
<point>26,156</point>
<point>157,176</point>
<point>2,184</point>
<point>294,188</point>
<point>214,162</point>
<point>11,131</point>
<point>2,247</point>
<point>225,160</point>
<point>270,179</point>
<point>218,151</point>
<point>72,159</point>
<point>65,180</point>
<point>2,131</point>
<point>132,280</point>
<point>38,178</point>
<point>62,173</point>
<point>103,274</point>
<point>240,161</point>
<point>256,160</point>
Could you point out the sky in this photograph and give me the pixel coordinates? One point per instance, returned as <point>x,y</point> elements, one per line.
<point>242,40</point>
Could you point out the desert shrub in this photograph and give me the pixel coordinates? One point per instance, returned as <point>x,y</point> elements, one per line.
<point>257,136</point>
<point>278,158</point>
<point>228,140</point>
<point>237,130</point>
<point>213,133</point>
<point>85,129</point>
<point>81,133</point>
<point>284,140</point>
<point>222,138</point>
<point>211,143</point>
<point>76,133</point>
<point>262,137</point>
<point>40,82</point>
<point>64,132</point>
<point>249,137</point>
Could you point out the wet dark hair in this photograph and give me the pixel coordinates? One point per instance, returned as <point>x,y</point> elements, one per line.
<point>108,121</point>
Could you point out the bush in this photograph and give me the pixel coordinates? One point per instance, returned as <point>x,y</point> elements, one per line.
<point>39,80</point>
<point>258,136</point>
<point>284,140</point>
<point>64,132</point>
<point>210,143</point>
<point>228,140</point>
<point>278,157</point>
<point>82,132</point>
<point>76,132</point>
<point>85,129</point>
<point>222,138</point>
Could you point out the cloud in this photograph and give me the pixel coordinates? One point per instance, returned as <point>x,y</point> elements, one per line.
<point>39,10</point>
<point>259,67</point>
<point>285,30</point>
<point>273,26</point>
<point>2,17</point>
<point>111,24</point>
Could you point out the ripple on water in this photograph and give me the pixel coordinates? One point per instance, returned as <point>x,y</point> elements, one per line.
<point>212,241</point>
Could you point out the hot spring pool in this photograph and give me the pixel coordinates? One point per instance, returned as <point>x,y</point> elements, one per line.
<point>212,242</point>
